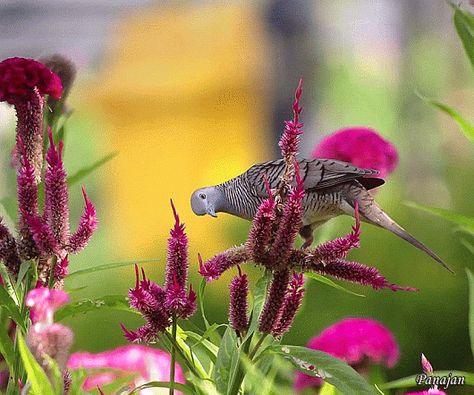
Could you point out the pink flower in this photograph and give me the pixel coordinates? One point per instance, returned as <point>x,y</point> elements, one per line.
<point>43,302</point>
<point>19,77</point>
<point>361,146</point>
<point>428,392</point>
<point>354,340</point>
<point>238,303</point>
<point>428,371</point>
<point>146,363</point>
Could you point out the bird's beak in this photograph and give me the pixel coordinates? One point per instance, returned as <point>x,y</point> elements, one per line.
<point>210,210</point>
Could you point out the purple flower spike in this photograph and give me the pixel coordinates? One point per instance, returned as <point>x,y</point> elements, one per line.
<point>426,365</point>
<point>217,265</point>
<point>339,248</point>
<point>289,225</point>
<point>87,226</point>
<point>190,306</point>
<point>176,298</point>
<point>358,273</point>
<point>356,341</point>
<point>177,261</point>
<point>261,231</point>
<point>56,209</point>
<point>8,251</point>
<point>43,237</point>
<point>274,301</point>
<point>238,305</point>
<point>292,303</point>
<point>289,141</point>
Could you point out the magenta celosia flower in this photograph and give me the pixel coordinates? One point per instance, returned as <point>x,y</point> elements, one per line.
<point>361,146</point>
<point>289,140</point>
<point>43,302</point>
<point>160,305</point>
<point>426,365</point>
<point>293,298</point>
<point>355,341</point>
<point>144,363</point>
<point>238,303</point>
<point>431,391</point>
<point>46,338</point>
<point>23,83</point>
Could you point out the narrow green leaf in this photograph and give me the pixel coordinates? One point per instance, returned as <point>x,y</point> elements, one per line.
<point>327,281</point>
<point>470,279</point>
<point>410,381</point>
<point>108,266</point>
<point>85,171</point>
<point>328,389</point>
<point>465,222</point>
<point>24,267</point>
<point>468,245</point>
<point>36,375</point>
<point>210,349</point>
<point>11,308</point>
<point>6,348</point>
<point>202,288</point>
<point>7,284</point>
<point>112,302</point>
<point>163,384</point>
<point>10,207</point>
<point>207,333</point>
<point>464,23</point>
<point>331,369</point>
<point>466,127</point>
<point>259,294</point>
<point>222,368</point>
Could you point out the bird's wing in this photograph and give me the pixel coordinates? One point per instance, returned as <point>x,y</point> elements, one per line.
<point>316,174</point>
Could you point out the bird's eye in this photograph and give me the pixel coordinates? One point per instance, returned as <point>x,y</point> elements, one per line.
<point>202,195</point>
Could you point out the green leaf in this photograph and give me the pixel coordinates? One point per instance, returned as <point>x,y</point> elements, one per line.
<point>112,302</point>
<point>465,222</point>
<point>10,206</point>
<point>202,287</point>
<point>259,294</point>
<point>7,284</point>
<point>222,368</point>
<point>328,389</point>
<point>6,348</point>
<point>327,281</point>
<point>468,245</point>
<point>470,279</point>
<point>24,267</point>
<point>36,375</point>
<point>331,369</point>
<point>85,171</point>
<point>108,266</point>
<point>466,127</point>
<point>464,23</point>
<point>11,308</point>
<point>410,381</point>
<point>210,349</point>
<point>163,384</point>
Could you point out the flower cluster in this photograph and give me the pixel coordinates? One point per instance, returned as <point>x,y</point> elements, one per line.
<point>159,305</point>
<point>144,363</point>
<point>361,146</point>
<point>44,237</point>
<point>47,339</point>
<point>357,341</point>
<point>428,371</point>
<point>271,244</point>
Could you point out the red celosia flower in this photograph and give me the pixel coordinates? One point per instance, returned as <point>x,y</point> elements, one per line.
<point>289,141</point>
<point>144,363</point>
<point>238,304</point>
<point>19,77</point>
<point>363,147</point>
<point>355,341</point>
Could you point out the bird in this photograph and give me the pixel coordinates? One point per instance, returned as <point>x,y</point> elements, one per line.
<point>332,188</point>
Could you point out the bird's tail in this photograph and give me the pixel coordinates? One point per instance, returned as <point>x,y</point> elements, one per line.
<point>372,213</point>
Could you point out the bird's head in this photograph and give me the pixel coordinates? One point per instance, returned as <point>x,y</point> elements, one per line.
<point>206,201</point>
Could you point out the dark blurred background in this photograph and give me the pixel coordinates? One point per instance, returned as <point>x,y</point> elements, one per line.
<point>193,93</point>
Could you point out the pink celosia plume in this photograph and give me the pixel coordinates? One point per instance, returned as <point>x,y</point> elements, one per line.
<point>144,363</point>
<point>354,340</point>
<point>361,146</point>
<point>238,303</point>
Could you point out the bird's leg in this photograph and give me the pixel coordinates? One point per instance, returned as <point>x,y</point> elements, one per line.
<point>306,232</point>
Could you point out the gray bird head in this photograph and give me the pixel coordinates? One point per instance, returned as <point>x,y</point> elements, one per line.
<point>207,201</point>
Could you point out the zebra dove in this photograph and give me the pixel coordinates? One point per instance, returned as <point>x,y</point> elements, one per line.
<point>331,188</point>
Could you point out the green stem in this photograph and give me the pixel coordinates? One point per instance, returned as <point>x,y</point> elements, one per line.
<point>173,353</point>
<point>257,346</point>
<point>54,262</point>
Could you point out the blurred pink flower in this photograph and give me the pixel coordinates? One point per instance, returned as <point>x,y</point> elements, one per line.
<point>43,302</point>
<point>145,363</point>
<point>428,392</point>
<point>354,340</point>
<point>361,146</point>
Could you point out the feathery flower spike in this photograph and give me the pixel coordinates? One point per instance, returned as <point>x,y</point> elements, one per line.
<point>87,226</point>
<point>238,304</point>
